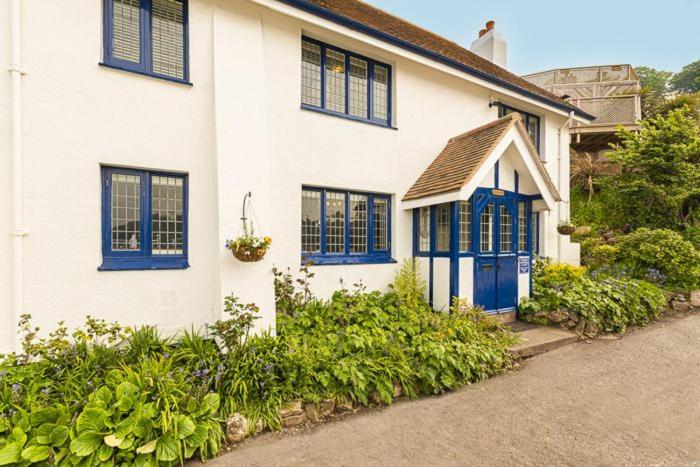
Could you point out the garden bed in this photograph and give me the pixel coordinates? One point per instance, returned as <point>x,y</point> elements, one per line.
<point>108,395</point>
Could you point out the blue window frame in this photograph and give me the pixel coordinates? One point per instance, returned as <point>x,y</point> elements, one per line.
<point>345,227</point>
<point>149,37</point>
<point>345,84</point>
<point>144,220</point>
<point>531,122</point>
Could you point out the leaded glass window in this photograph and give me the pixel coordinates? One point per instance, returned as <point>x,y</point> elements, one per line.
<point>311,221</point>
<point>335,223</point>
<point>530,121</point>
<point>506,231</point>
<point>486,224</point>
<point>535,235</point>
<point>380,92</point>
<point>424,229</point>
<point>381,223</point>
<point>358,87</point>
<point>311,74</point>
<point>144,219</point>
<point>129,45</point>
<point>126,212</point>
<point>465,225</point>
<point>126,30</point>
<point>442,227</point>
<point>336,226</point>
<point>522,226</point>
<point>167,30</point>
<point>358,223</point>
<point>345,83</point>
<point>167,194</point>
<point>335,81</point>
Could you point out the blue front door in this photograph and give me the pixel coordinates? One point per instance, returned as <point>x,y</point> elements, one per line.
<point>496,276</point>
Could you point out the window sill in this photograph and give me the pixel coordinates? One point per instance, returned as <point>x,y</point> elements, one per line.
<point>346,116</point>
<point>346,260</point>
<point>143,264</point>
<point>143,73</point>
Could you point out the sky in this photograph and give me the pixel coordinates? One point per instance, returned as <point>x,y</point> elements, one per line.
<point>546,34</point>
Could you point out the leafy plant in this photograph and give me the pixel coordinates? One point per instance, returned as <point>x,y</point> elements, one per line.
<point>662,256</point>
<point>612,303</point>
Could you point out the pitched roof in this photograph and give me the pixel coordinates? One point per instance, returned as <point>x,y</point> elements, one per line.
<point>463,155</point>
<point>373,21</point>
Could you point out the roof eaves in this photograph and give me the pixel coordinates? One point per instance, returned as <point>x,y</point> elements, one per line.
<point>361,27</point>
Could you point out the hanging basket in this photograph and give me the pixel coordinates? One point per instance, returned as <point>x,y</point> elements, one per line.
<point>247,255</point>
<point>566,229</point>
<point>247,247</point>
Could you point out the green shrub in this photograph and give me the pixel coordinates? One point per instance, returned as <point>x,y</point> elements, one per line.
<point>612,303</point>
<point>662,256</point>
<point>108,395</point>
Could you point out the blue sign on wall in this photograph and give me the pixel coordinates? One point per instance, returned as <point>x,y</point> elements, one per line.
<point>524,265</point>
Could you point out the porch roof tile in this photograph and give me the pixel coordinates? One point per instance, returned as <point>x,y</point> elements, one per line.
<point>463,155</point>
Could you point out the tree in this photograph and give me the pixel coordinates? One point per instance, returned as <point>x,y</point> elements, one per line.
<point>659,182</point>
<point>687,80</point>
<point>654,88</point>
<point>678,102</point>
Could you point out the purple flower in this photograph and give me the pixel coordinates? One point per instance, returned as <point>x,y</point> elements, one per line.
<point>268,368</point>
<point>166,355</point>
<point>15,387</point>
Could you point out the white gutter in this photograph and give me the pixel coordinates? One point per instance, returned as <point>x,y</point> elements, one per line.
<point>561,177</point>
<point>18,232</point>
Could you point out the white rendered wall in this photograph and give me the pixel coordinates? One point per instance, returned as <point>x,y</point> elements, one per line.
<point>424,269</point>
<point>466,279</point>
<point>7,324</point>
<point>239,128</point>
<point>79,115</point>
<point>441,284</point>
<point>523,280</point>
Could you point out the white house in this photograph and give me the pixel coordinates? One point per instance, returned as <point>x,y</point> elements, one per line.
<point>131,131</point>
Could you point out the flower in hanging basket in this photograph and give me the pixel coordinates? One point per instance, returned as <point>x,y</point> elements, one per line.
<point>565,227</point>
<point>248,248</point>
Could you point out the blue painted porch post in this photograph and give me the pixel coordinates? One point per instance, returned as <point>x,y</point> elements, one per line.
<point>454,250</point>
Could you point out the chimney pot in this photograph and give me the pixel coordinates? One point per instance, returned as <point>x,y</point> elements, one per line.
<point>490,24</point>
<point>482,32</point>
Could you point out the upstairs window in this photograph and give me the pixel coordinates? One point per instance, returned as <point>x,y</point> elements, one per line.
<point>345,227</point>
<point>147,36</point>
<point>144,220</point>
<point>531,122</point>
<point>344,83</point>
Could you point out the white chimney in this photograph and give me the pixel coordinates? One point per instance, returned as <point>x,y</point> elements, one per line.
<point>491,45</point>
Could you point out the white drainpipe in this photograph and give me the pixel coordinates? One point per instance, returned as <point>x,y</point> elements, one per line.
<point>562,176</point>
<point>18,232</point>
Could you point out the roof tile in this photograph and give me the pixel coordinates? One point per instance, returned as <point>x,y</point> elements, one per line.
<point>463,156</point>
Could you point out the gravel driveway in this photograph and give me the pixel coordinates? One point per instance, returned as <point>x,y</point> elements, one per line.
<point>632,401</point>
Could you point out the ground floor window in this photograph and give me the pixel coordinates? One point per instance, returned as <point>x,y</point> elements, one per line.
<point>442,227</point>
<point>339,226</point>
<point>465,226</point>
<point>535,233</point>
<point>144,219</point>
<point>522,226</point>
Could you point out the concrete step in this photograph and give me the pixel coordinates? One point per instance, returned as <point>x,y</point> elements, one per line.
<point>539,340</point>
